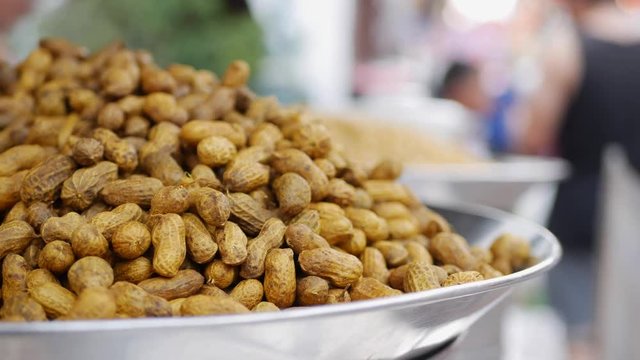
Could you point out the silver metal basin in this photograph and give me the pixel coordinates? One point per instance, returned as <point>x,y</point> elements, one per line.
<point>405,326</point>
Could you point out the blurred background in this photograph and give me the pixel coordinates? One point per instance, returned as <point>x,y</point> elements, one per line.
<point>525,105</point>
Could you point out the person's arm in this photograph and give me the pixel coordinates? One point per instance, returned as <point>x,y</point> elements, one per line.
<point>544,110</point>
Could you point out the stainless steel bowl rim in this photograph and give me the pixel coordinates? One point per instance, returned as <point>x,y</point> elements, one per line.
<point>298,313</point>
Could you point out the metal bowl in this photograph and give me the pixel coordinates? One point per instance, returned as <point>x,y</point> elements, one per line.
<point>405,326</point>
<point>500,183</point>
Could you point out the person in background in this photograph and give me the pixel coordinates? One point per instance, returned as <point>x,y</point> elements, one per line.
<point>10,12</point>
<point>588,98</point>
<point>462,83</point>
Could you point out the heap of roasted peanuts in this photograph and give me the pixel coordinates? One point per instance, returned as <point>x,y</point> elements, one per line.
<point>131,190</point>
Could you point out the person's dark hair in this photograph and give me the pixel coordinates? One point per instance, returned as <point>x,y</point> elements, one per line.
<point>456,72</point>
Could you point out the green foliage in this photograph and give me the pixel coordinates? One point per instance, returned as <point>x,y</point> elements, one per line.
<point>204,33</point>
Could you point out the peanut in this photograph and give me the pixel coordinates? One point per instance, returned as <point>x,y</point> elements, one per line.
<point>271,236</point>
<point>312,290</point>
<point>131,240</point>
<point>513,249</point>
<point>310,218</point>
<point>96,208</point>
<point>236,75</point>
<point>32,253</point>
<point>453,249</point>
<point>82,188</point>
<point>111,117</point>
<point>313,139</point>
<point>392,210</point>
<point>133,301</point>
<point>245,176</point>
<point>108,221</point>
<point>338,296</point>
<point>56,256</point>
<point>60,228</point>
<point>451,269</point>
<point>87,240</point>
<point>482,254</point>
<point>15,236</point>
<point>385,190</point>
<point>248,292</point>
<point>386,170</point>
<point>362,199</point>
<point>220,274</point>
<point>248,213</point>
<point>136,126</point>
<point>133,271</point>
<point>293,160</point>
<point>340,268</point>
<point>335,227</point>
<point>170,249</point>
<point>196,130</point>
<point>213,206</point>
<point>38,277</point>
<point>370,288</point>
<point>163,107</point>
<point>355,245</point>
<point>340,192</point>
<point>396,277</point>
<point>402,228</point>
<point>374,265</point>
<point>233,244</point>
<point>417,252</point>
<point>293,193</point>
<point>280,277</point>
<point>170,199</point>
<point>462,278</point>
<point>21,157</point>
<point>161,165</point>
<point>265,135</point>
<point>300,237</point>
<point>94,303</point>
<point>394,253</point>
<point>265,306</point>
<point>38,213</point>
<point>185,283</point>
<point>138,190</point>
<point>216,151</point>
<point>488,272</point>
<point>431,223</point>
<point>44,181</point>
<point>14,276</point>
<point>55,299</point>
<point>90,271</point>
<point>176,304</point>
<point>420,277</point>
<point>327,168</point>
<point>22,307</point>
<point>205,177</point>
<point>209,305</point>
<point>374,227</point>
<point>212,290</point>
<point>200,245</point>
<point>17,212</point>
<point>117,150</point>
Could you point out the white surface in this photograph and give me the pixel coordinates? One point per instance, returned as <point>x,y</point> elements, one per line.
<point>618,287</point>
<point>533,333</point>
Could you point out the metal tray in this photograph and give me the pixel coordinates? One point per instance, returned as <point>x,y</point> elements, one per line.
<point>406,326</point>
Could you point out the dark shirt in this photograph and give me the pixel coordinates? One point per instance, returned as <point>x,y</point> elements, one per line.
<point>605,109</point>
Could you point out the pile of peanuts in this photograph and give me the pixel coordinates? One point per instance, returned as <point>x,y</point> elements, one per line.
<point>131,190</point>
